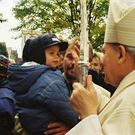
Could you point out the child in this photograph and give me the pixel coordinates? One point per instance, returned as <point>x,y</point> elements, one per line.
<point>7,102</point>
<point>42,94</point>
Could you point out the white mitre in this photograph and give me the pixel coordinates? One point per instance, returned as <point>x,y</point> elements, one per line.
<point>121,23</point>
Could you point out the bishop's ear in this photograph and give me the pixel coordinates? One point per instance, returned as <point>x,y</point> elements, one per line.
<point>122,53</point>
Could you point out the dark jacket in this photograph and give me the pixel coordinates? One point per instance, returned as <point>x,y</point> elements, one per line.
<point>98,78</point>
<point>7,109</point>
<point>42,96</point>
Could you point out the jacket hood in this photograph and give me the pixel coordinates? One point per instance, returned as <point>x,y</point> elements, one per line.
<point>21,78</point>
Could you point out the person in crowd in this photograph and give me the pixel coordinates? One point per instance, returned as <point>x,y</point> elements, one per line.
<point>71,74</point>
<point>42,93</point>
<point>7,101</point>
<point>95,69</point>
<point>70,61</point>
<point>95,63</point>
<point>118,116</point>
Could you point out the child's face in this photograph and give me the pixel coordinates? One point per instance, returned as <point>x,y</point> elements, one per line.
<point>52,56</point>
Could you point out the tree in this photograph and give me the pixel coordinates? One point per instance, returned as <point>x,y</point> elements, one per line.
<point>97,14</point>
<point>54,16</point>
<point>41,15</point>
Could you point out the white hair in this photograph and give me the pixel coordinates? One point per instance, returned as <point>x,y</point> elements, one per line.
<point>131,50</point>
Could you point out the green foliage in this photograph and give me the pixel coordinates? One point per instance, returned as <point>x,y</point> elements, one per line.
<point>3,49</point>
<point>54,16</point>
<point>41,15</point>
<point>97,14</point>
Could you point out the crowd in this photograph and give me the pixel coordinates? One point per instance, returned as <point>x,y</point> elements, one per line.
<point>42,95</point>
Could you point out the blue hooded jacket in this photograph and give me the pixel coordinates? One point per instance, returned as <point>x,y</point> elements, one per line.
<point>7,109</point>
<point>42,96</point>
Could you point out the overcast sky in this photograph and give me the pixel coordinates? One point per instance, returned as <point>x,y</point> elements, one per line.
<point>6,35</point>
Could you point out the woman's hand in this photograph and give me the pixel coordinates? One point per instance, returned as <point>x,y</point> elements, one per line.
<point>57,128</point>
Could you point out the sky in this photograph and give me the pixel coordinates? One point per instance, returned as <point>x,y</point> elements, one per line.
<point>6,35</point>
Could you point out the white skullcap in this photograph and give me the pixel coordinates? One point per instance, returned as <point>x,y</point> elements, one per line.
<point>121,22</point>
